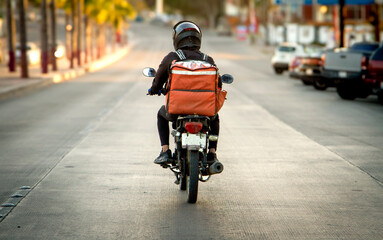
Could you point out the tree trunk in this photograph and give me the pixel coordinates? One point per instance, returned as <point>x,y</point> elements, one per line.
<point>72,35</point>
<point>44,37</point>
<point>11,30</point>
<point>211,12</point>
<point>79,31</point>
<point>23,40</point>
<point>92,40</point>
<point>67,37</point>
<point>53,35</point>
<point>86,27</point>
<point>114,39</point>
<point>99,42</point>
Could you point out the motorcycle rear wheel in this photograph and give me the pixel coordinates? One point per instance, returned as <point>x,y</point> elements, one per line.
<point>193,178</point>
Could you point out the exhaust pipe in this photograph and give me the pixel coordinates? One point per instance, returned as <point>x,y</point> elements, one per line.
<point>215,168</point>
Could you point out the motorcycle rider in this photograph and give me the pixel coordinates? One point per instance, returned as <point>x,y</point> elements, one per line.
<point>186,37</point>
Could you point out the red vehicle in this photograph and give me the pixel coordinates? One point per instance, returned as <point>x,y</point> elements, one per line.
<point>293,67</point>
<point>309,68</point>
<point>373,79</point>
<point>310,71</point>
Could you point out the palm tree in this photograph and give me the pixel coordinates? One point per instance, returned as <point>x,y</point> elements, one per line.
<point>52,6</point>
<point>67,6</point>
<point>73,33</point>
<point>11,36</point>
<point>44,37</point>
<point>107,13</point>
<point>23,40</point>
<point>79,30</point>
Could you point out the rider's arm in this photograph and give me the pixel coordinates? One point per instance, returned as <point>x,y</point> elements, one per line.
<point>211,61</point>
<point>162,73</point>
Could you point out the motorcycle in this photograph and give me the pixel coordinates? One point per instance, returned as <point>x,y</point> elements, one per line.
<point>191,136</point>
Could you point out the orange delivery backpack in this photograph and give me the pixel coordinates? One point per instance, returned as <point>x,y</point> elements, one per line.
<point>192,87</point>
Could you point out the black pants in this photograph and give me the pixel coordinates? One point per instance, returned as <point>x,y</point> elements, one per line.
<point>163,118</point>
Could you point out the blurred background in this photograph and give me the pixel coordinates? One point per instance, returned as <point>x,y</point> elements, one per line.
<point>76,32</point>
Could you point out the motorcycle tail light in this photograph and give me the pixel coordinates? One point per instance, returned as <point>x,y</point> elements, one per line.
<point>193,127</point>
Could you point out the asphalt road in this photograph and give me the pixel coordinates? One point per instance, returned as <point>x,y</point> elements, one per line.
<point>299,163</point>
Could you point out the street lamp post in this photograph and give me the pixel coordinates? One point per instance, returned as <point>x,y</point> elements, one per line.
<point>341,23</point>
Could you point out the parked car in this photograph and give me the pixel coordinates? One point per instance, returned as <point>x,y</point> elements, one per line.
<point>310,71</point>
<point>284,54</point>
<point>294,67</point>
<point>33,54</point>
<point>345,68</point>
<point>373,78</point>
<point>308,68</point>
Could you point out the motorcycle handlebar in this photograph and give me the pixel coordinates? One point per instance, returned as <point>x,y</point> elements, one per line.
<point>162,91</point>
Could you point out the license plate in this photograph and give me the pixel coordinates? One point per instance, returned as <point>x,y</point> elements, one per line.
<point>342,74</point>
<point>309,71</point>
<point>193,141</point>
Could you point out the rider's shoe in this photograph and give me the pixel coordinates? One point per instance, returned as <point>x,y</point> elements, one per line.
<point>212,158</point>
<point>164,157</point>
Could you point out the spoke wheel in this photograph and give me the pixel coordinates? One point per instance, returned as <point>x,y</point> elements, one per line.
<point>193,178</point>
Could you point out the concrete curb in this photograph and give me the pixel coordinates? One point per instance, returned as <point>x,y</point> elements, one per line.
<point>25,86</point>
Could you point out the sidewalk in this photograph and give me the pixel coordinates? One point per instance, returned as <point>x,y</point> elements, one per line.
<point>11,83</point>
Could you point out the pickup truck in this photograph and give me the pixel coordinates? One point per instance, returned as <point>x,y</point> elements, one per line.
<point>345,68</point>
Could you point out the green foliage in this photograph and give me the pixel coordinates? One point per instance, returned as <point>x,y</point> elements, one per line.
<point>109,11</point>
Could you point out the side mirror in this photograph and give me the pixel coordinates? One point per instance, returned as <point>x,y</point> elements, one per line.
<point>227,78</point>
<point>149,72</point>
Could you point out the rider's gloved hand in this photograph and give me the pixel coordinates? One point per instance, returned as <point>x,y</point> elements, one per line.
<point>150,92</point>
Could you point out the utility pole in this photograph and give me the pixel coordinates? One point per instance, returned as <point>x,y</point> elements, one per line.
<point>11,36</point>
<point>23,40</point>
<point>314,10</point>
<point>374,19</point>
<point>341,23</point>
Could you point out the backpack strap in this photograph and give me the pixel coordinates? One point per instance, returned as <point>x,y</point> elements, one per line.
<point>180,54</point>
<point>204,57</point>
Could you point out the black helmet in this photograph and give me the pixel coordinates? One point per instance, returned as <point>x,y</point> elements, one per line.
<point>186,34</point>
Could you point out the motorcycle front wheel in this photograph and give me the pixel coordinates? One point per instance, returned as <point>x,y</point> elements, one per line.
<point>193,172</point>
